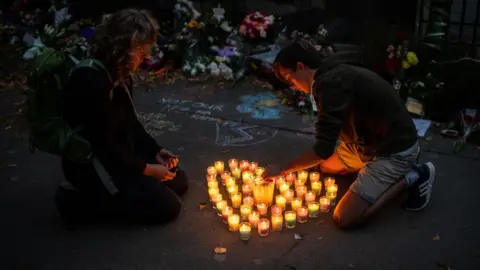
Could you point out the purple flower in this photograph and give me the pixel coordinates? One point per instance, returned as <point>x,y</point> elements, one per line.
<point>226,52</point>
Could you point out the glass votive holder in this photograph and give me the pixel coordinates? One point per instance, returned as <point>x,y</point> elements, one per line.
<point>247,177</point>
<point>296,203</point>
<point>316,187</point>
<point>232,190</point>
<point>227,211</point>
<point>324,204</point>
<point>301,190</point>
<point>219,167</point>
<point>281,201</point>
<point>263,227</point>
<point>290,178</point>
<point>262,209</point>
<point>302,175</point>
<point>249,201</point>
<point>314,177</point>
<point>283,187</point>
<point>290,219</point>
<point>277,223</point>
<point>213,191</point>
<point>212,184</point>
<point>245,230</point>
<point>224,176</point>
<point>247,189</point>
<point>278,181</point>
<point>289,194</point>
<point>328,181</point>
<point>232,164</point>
<point>259,171</point>
<point>253,218</point>
<point>211,178</point>
<point>237,173</point>
<point>215,199</point>
<point>244,165</point>
<point>253,166</point>
<point>302,214</point>
<point>236,200</point>
<point>245,211</point>
<point>331,192</point>
<point>310,197</point>
<point>221,206</point>
<point>212,171</point>
<point>233,222</point>
<point>313,209</point>
<point>230,182</point>
<point>276,210</point>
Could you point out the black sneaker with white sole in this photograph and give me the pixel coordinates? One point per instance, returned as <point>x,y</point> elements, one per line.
<point>420,193</point>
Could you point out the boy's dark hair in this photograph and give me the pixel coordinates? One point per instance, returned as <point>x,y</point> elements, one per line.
<point>303,51</point>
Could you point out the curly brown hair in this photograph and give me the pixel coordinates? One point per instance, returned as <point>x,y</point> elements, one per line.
<point>117,37</point>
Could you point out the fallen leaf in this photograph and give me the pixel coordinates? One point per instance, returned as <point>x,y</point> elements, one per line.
<point>297,236</point>
<point>220,250</point>
<point>202,206</point>
<point>436,237</point>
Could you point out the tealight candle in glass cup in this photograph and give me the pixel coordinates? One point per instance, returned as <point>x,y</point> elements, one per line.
<point>331,192</point>
<point>227,211</point>
<point>236,200</point>
<point>221,206</point>
<point>249,200</point>
<point>328,181</point>
<point>259,171</point>
<point>279,181</point>
<point>302,214</point>
<point>237,173</point>
<point>233,222</point>
<point>281,201</point>
<point>244,165</point>
<point>299,182</point>
<point>316,187</point>
<point>212,184</point>
<point>245,211</point>
<point>289,194</point>
<point>212,171</point>
<point>216,198</point>
<point>247,189</point>
<point>309,196</point>
<point>253,218</point>
<point>219,167</point>
<point>276,210</point>
<point>232,164</point>
<point>296,203</point>
<point>290,219</point>
<point>224,176</point>
<point>263,227</point>
<point>283,187</point>
<point>262,209</point>
<point>253,166</point>
<point>324,204</point>
<point>213,191</point>
<point>247,177</point>
<point>245,230</point>
<point>232,190</point>
<point>301,190</point>
<point>313,208</point>
<point>314,177</point>
<point>211,178</point>
<point>302,175</point>
<point>277,223</point>
<point>290,178</point>
<point>230,182</point>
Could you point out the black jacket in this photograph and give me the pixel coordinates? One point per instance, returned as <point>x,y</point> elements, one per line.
<point>357,106</point>
<point>109,122</point>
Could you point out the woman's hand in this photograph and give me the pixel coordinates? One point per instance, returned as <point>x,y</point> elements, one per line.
<point>159,172</point>
<point>167,159</point>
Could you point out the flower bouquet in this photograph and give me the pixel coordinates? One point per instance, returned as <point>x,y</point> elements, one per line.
<point>399,60</point>
<point>256,25</point>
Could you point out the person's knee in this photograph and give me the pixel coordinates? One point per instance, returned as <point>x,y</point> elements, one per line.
<point>343,222</point>
<point>181,185</point>
<point>162,213</point>
<point>349,213</point>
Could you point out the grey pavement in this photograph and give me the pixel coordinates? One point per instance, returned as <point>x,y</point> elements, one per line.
<point>445,236</point>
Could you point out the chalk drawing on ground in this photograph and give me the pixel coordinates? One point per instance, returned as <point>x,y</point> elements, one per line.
<point>156,124</point>
<point>261,106</point>
<point>242,134</point>
<point>309,131</point>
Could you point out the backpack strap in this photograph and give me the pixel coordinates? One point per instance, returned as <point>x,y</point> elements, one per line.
<point>91,63</point>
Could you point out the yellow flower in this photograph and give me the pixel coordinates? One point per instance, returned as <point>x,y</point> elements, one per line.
<point>192,24</point>
<point>405,65</point>
<point>412,58</point>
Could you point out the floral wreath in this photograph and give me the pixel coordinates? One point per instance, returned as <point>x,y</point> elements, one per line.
<point>256,24</point>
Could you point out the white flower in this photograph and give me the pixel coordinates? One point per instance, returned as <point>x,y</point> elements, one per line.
<point>201,66</point>
<point>226,27</point>
<point>226,72</point>
<point>210,39</point>
<point>301,103</point>
<point>263,34</point>
<point>193,72</point>
<point>219,13</point>
<point>187,67</point>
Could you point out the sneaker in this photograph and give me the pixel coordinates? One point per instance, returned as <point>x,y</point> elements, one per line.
<point>420,193</point>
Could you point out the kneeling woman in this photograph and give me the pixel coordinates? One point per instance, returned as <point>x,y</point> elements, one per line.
<point>131,177</point>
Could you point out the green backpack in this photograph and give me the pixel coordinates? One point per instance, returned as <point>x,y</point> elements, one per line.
<point>49,132</point>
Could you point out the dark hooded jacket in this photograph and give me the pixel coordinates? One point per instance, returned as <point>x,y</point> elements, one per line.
<point>356,106</point>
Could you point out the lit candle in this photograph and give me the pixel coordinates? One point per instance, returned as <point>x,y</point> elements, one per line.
<point>309,197</point>
<point>227,211</point>
<point>245,229</point>
<point>301,190</point>
<point>253,166</point>
<point>211,171</point>
<point>237,173</point>
<point>283,187</point>
<point>324,204</point>
<point>291,177</point>
<point>224,176</point>
<point>232,190</point>
<point>219,166</point>
<point>316,187</point>
<point>244,165</point>
<point>211,178</point>
<point>247,189</point>
<point>313,209</point>
<point>233,221</point>
<point>263,227</point>
<point>279,181</point>
<point>289,194</point>
<point>249,200</point>
<point>303,175</point>
<point>328,181</point>
<point>296,203</point>
<point>213,184</point>
<point>245,211</point>
<point>230,182</point>
<point>216,198</point>
<point>232,164</point>
<point>281,201</point>
<point>314,177</point>
<point>259,171</point>
<point>331,192</point>
<point>247,176</point>
<point>236,200</point>
<point>262,209</point>
<point>302,214</point>
<point>277,223</point>
<point>221,206</point>
<point>253,218</point>
<point>213,191</point>
<point>290,219</point>
<point>299,182</point>
<point>276,210</point>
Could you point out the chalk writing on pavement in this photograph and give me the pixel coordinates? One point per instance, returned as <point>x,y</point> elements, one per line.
<point>261,106</point>
<point>156,124</point>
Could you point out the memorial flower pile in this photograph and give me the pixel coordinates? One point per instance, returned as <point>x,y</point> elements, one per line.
<point>256,25</point>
